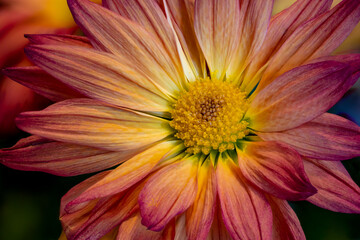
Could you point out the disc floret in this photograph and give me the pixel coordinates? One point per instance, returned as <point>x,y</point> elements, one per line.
<point>209,116</point>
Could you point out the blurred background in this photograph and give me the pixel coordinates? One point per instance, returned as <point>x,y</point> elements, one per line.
<point>29,201</point>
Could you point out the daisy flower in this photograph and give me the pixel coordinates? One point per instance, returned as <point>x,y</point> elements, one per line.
<point>210,115</point>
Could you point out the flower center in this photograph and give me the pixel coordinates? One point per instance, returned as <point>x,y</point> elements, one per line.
<point>208,116</point>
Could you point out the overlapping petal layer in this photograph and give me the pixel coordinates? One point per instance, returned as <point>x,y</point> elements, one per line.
<point>276,169</point>
<point>42,83</point>
<point>299,96</point>
<point>159,203</point>
<point>245,210</point>
<point>114,81</point>
<point>91,123</point>
<point>336,190</point>
<point>129,40</point>
<point>36,154</point>
<point>327,137</point>
<point>121,82</point>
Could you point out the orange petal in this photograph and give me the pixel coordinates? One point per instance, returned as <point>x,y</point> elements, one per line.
<point>113,33</point>
<point>200,215</point>
<point>133,229</point>
<point>299,96</point>
<point>58,39</point>
<point>217,29</point>
<point>276,169</point>
<point>99,75</point>
<point>99,216</point>
<point>168,193</point>
<point>316,38</point>
<point>218,230</point>
<point>336,190</point>
<point>280,29</point>
<point>180,13</point>
<point>286,224</point>
<point>42,83</point>
<point>128,173</point>
<point>91,123</point>
<point>254,22</point>
<point>327,137</point>
<point>63,159</point>
<point>148,14</point>
<point>245,210</point>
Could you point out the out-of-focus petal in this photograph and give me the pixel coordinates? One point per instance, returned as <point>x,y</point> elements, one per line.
<point>200,215</point>
<point>42,83</point>
<point>65,39</point>
<point>254,23</point>
<point>180,13</point>
<point>299,96</point>
<point>327,137</point>
<point>276,169</point>
<point>281,27</point>
<point>113,33</point>
<point>316,38</point>
<point>37,154</point>
<point>99,75</point>
<point>91,123</point>
<point>245,210</point>
<point>128,173</point>
<point>336,190</point>
<point>168,193</point>
<point>286,225</point>
<point>217,29</point>
<point>14,99</point>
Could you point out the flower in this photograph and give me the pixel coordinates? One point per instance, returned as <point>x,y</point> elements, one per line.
<point>213,114</point>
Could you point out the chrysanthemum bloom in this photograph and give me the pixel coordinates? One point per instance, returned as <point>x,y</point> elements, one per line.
<point>215,112</point>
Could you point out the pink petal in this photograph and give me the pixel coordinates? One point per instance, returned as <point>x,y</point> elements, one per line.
<point>148,14</point>
<point>99,75</point>
<point>181,14</point>
<point>246,213</point>
<point>168,193</point>
<point>254,23</point>
<point>63,159</point>
<point>200,215</point>
<point>281,27</point>
<point>286,224</point>
<point>59,39</point>
<point>218,230</point>
<point>317,38</point>
<point>352,59</point>
<point>299,96</point>
<point>42,83</point>
<point>105,214</point>
<point>276,169</point>
<point>215,19</point>
<point>128,173</point>
<point>74,192</point>
<point>336,190</point>
<point>91,123</point>
<point>327,137</point>
<point>129,40</point>
<point>133,229</point>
